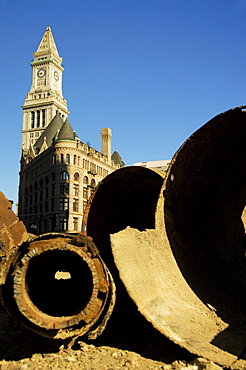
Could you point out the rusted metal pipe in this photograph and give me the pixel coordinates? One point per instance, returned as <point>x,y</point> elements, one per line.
<point>179,245</point>
<point>12,232</point>
<point>58,286</point>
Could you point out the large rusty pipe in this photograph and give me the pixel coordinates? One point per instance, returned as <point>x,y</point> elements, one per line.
<point>12,231</point>
<point>58,286</point>
<point>179,245</point>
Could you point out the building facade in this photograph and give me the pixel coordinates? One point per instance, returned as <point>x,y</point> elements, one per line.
<point>59,172</point>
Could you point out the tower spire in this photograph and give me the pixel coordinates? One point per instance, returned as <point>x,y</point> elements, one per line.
<point>45,97</point>
<point>47,47</point>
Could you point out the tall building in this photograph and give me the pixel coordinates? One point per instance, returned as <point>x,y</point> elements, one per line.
<point>58,171</point>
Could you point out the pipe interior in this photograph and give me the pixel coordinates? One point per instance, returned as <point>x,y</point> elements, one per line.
<point>59,282</point>
<point>127,197</point>
<point>204,200</point>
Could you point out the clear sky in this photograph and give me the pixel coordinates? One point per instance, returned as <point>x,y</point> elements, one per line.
<point>152,70</point>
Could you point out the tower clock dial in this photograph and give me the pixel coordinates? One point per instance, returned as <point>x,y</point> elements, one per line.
<point>41,73</point>
<point>56,75</point>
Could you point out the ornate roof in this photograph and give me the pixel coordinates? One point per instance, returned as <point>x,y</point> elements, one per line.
<point>50,133</point>
<point>117,159</point>
<point>66,132</point>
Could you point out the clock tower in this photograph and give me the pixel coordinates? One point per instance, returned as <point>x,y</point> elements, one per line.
<point>45,98</point>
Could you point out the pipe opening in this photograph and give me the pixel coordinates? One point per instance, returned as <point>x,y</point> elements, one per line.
<point>127,197</point>
<point>59,282</point>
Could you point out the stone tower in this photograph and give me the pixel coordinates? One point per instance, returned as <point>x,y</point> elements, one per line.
<point>106,140</point>
<point>45,98</point>
<point>59,173</point>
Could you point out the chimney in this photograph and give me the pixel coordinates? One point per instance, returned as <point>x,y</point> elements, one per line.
<point>106,139</point>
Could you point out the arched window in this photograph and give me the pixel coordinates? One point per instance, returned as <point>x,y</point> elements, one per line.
<point>62,158</point>
<point>64,175</point>
<point>53,176</point>
<point>74,159</point>
<point>76,176</point>
<point>67,158</point>
<point>41,183</point>
<point>93,183</point>
<point>46,180</point>
<point>85,180</point>
<point>54,159</point>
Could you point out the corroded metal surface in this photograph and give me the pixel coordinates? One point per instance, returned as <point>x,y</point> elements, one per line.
<point>58,286</point>
<point>179,245</point>
<point>12,231</point>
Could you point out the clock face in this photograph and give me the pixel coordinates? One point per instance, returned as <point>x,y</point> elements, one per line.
<point>41,73</point>
<point>56,75</point>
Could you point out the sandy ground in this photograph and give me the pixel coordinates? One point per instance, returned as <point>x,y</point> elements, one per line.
<point>125,345</point>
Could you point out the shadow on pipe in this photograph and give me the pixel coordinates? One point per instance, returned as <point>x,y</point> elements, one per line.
<point>179,246</point>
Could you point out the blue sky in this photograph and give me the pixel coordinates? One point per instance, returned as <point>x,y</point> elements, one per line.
<point>153,71</point>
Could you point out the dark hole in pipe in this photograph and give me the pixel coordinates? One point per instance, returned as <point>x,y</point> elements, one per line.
<point>59,297</point>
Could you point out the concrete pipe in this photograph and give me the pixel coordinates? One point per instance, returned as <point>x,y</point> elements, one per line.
<point>179,246</point>
<point>58,286</point>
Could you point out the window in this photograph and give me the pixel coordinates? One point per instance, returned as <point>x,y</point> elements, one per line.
<point>46,206</point>
<point>32,119</point>
<point>38,118</point>
<point>85,192</point>
<point>74,159</point>
<point>78,160</point>
<point>64,175</point>
<point>62,158</point>
<point>52,205</point>
<point>63,223</point>
<point>64,188</point>
<point>41,195</point>
<point>53,176</point>
<point>93,183</point>
<point>54,159</point>
<point>75,223</point>
<point>76,176</point>
<point>84,205</point>
<point>43,117</point>
<point>86,180</point>
<point>75,205</point>
<point>53,189</point>
<point>67,158</point>
<point>63,204</point>
<point>76,190</point>
<point>46,193</point>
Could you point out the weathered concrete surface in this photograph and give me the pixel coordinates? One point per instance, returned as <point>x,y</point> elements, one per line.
<point>186,269</point>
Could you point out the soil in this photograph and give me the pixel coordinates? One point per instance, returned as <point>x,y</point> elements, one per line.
<point>132,344</point>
